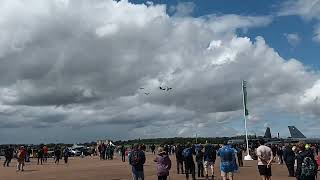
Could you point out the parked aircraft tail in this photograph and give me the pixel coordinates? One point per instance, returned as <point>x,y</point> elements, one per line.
<point>267,134</point>
<point>295,133</point>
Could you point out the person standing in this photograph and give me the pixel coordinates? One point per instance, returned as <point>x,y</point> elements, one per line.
<point>66,154</point>
<point>123,153</point>
<point>306,164</point>
<point>57,154</point>
<point>40,155</point>
<point>228,163</point>
<point>240,155</point>
<point>153,148</point>
<point>188,153</point>
<point>163,164</point>
<point>280,154</point>
<point>210,155</point>
<point>289,158</point>
<point>179,159</point>
<point>137,159</point>
<point>8,154</point>
<point>46,154</point>
<point>199,160</point>
<point>21,158</point>
<point>265,157</point>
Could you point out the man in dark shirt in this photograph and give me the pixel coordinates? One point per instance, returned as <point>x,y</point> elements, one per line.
<point>280,154</point>
<point>179,158</point>
<point>188,153</point>
<point>289,158</point>
<point>137,159</point>
<point>123,153</point>
<point>8,155</point>
<point>199,160</point>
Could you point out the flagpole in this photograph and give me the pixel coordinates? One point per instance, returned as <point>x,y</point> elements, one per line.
<point>247,157</point>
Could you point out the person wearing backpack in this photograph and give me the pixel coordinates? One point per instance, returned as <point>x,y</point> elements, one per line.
<point>163,164</point>
<point>306,164</point>
<point>137,159</point>
<point>187,154</point>
<point>209,159</point>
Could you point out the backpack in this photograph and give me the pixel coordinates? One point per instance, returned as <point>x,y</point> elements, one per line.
<point>210,153</point>
<point>187,153</point>
<point>308,167</point>
<point>135,158</point>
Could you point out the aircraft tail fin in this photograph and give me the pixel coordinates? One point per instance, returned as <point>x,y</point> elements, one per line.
<point>267,134</point>
<point>295,133</point>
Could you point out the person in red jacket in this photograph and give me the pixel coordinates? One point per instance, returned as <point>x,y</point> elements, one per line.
<point>45,153</point>
<point>21,158</point>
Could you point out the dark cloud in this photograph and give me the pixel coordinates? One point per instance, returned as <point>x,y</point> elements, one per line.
<point>69,65</point>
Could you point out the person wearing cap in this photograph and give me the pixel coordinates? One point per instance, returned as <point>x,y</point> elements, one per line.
<point>163,164</point>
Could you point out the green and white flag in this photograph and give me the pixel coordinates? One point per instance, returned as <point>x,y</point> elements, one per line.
<point>245,99</point>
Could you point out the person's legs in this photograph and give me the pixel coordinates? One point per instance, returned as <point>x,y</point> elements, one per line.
<point>18,166</point>
<point>162,177</point>
<point>187,169</point>
<point>223,175</point>
<point>134,176</point>
<point>212,170</point>
<point>230,175</point>
<point>38,160</point>
<point>22,166</point>
<point>193,170</point>
<point>141,175</point>
<point>9,161</point>
<point>182,169</point>
<point>178,166</point>
<point>5,162</point>
<point>198,166</point>
<point>291,171</point>
<point>201,170</point>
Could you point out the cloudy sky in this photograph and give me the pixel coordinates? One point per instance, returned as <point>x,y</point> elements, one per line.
<point>78,70</point>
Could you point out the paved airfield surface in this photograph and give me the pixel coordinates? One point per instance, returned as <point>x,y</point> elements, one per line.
<point>93,168</point>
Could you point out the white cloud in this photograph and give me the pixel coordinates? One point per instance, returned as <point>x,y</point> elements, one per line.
<point>307,9</point>
<point>293,39</point>
<point>317,33</point>
<point>82,64</point>
<point>183,9</point>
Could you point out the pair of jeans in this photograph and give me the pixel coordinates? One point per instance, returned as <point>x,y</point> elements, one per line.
<point>190,168</point>
<point>7,161</point>
<point>162,177</point>
<point>180,165</point>
<point>138,175</point>
<point>200,169</point>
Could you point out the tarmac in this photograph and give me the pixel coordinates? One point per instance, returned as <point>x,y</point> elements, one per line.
<point>92,168</point>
